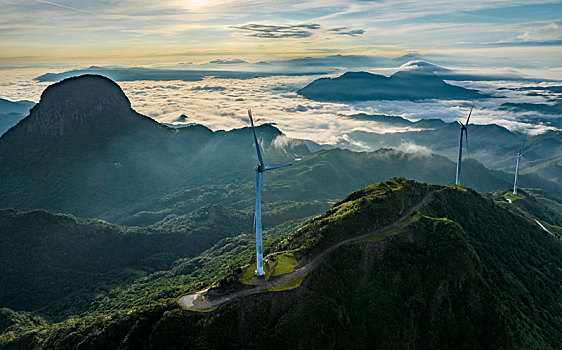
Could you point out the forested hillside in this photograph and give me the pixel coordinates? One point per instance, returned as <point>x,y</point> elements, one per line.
<point>461,273</point>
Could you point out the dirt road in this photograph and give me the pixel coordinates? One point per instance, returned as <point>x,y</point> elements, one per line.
<point>197,300</point>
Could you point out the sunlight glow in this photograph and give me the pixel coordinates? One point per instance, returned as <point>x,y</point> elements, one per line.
<point>197,4</point>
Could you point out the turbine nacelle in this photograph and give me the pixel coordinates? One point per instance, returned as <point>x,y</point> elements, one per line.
<point>465,125</point>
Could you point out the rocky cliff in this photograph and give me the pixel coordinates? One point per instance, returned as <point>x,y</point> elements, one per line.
<point>66,105</point>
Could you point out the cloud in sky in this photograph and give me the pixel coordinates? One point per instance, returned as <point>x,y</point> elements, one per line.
<point>410,147</point>
<point>528,43</point>
<point>269,31</point>
<point>279,31</point>
<point>129,31</point>
<point>228,61</point>
<point>347,31</point>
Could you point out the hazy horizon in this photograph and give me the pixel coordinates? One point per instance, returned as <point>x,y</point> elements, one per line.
<point>524,34</point>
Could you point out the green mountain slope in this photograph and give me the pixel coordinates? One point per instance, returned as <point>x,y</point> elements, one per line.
<point>551,171</point>
<point>84,151</point>
<point>57,264</point>
<point>533,204</point>
<point>492,145</point>
<point>461,273</point>
<point>325,176</point>
<point>347,171</point>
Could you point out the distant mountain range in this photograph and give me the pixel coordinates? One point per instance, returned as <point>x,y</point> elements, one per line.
<point>403,85</point>
<point>135,73</point>
<point>492,145</point>
<point>21,107</point>
<point>12,112</point>
<point>240,69</point>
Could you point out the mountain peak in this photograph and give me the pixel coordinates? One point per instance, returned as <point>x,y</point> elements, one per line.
<point>71,102</point>
<point>413,73</point>
<point>423,66</point>
<point>358,75</point>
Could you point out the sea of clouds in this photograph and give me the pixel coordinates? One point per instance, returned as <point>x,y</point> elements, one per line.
<point>223,103</point>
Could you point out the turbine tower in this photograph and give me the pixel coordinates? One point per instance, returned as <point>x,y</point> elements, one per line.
<point>464,128</point>
<point>519,155</point>
<point>260,169</point>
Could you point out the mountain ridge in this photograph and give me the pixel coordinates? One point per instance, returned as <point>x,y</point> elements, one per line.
<point>402,85</point>
<point>494,146</point>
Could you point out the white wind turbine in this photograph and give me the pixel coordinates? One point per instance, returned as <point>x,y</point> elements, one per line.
<point>519,155</point>
<point>260,169</point>
<point>464,128</point>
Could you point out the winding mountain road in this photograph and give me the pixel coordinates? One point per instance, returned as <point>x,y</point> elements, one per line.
<point>197,301</point>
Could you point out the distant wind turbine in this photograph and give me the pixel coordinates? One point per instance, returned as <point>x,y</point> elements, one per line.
<point>464,128</point>
<point>519,155</point>
<point>260,169</point>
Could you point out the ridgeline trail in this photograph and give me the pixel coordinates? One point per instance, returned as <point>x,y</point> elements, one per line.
<point>195,301</point>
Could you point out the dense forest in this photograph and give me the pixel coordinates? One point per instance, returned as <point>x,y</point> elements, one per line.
<point>464,272</point>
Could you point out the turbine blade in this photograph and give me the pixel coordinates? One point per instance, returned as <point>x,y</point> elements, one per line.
<point>523,146</point>
<point>276,166</point>
<point>258,190</point>
<point>260,158</point>
<point>461,124</point>
<point>469,114</point>
<point>466,139</point>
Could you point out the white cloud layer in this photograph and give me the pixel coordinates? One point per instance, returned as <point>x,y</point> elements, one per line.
<point>222,104</point>
<point>410,147</point>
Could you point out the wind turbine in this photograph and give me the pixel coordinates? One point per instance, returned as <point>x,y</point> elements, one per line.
<point>260,169</point>
<point>464,128</point>
<point>519,155</point>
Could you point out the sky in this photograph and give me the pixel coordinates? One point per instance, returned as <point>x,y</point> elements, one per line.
<point>479,36</point>
<point>183,32</point>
